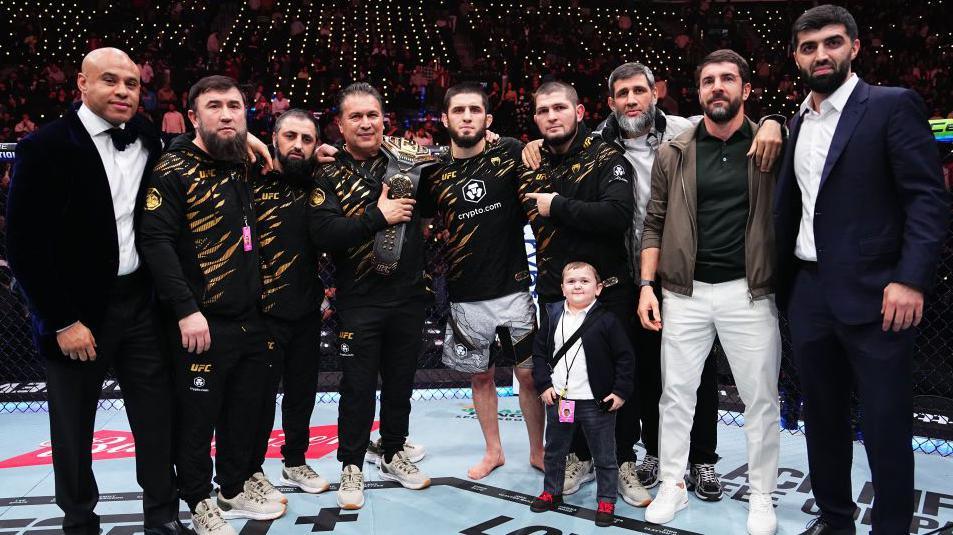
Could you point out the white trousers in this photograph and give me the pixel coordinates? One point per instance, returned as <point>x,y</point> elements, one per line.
<point>748,331</point>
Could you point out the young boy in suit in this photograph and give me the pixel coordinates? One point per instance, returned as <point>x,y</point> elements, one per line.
<point>582,364</point>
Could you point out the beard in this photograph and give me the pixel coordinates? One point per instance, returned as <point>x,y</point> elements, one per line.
<point>826,84</point>
<point>724,114</point>
<point>636,126</point>
<point>560,139</point>
<point>465,142</point>
<point>297,172</point>
<point>225,149</point>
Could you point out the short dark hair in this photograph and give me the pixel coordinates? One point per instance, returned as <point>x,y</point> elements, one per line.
<point>820,16</point>
<point>554,86</point>
<point>469,88</point>
<point>630,70</point>
<point>359,88</point>
<point>725,55</point>
<point>212,83</point>
<point>296,113</point>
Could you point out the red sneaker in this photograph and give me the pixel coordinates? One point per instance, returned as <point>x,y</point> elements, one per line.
<point>546,502</point>
<point>605,515</point>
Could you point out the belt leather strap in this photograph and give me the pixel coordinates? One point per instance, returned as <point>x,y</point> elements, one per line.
<point>406,162</point>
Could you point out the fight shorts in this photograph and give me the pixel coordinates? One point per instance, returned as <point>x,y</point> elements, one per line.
<point>473,328</point>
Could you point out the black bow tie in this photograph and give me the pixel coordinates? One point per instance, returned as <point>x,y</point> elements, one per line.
<point>122,137</point>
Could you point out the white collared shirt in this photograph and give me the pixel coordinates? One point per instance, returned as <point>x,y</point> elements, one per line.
<point>574,360</point>
<point>124,171</point>
<point>810,154</point>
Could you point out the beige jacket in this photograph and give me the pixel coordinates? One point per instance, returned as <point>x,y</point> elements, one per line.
<point>671,225</point>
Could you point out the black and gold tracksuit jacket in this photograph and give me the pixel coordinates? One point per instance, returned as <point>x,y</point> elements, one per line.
<point>285,212</point>
<point>192,234</point>
<point>589,219</point>
<point>345,197</point>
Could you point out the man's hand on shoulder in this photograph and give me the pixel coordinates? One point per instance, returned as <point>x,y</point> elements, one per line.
<point>325,153</point>
<point>767,144</point>
<point>532,154</point>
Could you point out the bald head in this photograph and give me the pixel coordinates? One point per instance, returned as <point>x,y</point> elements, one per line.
<point>109,82</point>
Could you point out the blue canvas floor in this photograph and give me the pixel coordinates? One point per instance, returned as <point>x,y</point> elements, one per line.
<point>496,505</point>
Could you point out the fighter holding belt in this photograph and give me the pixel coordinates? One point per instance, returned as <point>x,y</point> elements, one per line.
<point>366,219</point>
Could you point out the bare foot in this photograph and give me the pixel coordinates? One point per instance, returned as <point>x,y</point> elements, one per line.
<point>487,464</point>
<point>537,462</point>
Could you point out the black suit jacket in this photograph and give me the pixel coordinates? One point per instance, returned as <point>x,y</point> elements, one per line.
<point>610,360</point>
<point>882,208</point>
<point>61,227</point>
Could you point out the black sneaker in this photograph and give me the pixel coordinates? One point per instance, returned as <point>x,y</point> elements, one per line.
<point>546,502</point>
<point>648,471</point>
<point>704,482</point>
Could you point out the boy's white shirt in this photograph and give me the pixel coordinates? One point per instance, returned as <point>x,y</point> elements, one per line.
<point>578,387</point>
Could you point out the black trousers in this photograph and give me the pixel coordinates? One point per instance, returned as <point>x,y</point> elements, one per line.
<point>129,342</point>
<point>831,357</point>
<point>381,340</point>
<point>220,392</point>
<point>296,366</point>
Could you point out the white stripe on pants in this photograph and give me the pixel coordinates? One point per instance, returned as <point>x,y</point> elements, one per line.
<point>748,331</point>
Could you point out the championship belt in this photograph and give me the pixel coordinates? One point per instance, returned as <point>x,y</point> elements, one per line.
<point>406,161</point>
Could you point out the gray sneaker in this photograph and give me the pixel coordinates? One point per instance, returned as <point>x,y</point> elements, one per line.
<point>305,478</point>
<point>250,504</point>
<point>403,471</point>
<point>414,452</point>
<point>577,473</point>
<point>351,489</point>
<point>630,488</point>
<point>207,520</point>
<point>264,487</point>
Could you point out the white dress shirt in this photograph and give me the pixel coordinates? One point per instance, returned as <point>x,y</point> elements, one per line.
<point>810,154</point>
<point>124,171</point>
<point>574,360</point>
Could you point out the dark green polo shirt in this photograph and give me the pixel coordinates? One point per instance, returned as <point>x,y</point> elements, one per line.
<point>721,173</point>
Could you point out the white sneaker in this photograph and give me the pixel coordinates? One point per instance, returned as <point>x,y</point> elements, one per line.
<point>264,487</point>
<point>761,517</point>
<point>577,473</point>
<point>414,452</point>
<point>207,520</point>
<point>305,478</point>
<point>630,488</point>
<point>351,489</point>
<point>403,471</point>
<point>250,504</point>
<point>670,499</point>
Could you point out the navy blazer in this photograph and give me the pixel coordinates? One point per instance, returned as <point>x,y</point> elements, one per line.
<point>882,209</point>
<point>61,228</point>
<point>609,356</point>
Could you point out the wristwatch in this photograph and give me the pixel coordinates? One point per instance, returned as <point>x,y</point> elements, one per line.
<point>646,282</point>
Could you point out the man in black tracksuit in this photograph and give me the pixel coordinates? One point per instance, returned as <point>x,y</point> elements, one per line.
<point>579,203</point>
<point>292,295</point>
<point>199,240</point>
<point>380,300</point>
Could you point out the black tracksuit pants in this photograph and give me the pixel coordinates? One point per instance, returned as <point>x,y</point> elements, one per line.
<point>129,342</point>
<point>220,391</point>
<point>296,367</point>
<point>381,340</point>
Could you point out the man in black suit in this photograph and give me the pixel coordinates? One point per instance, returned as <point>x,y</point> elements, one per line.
<point>73,216</point>
<point>861,214</point>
